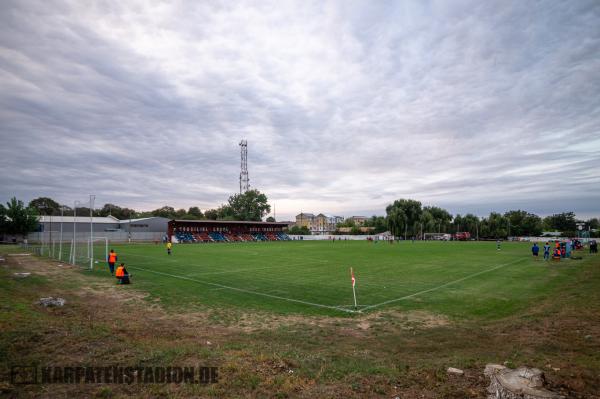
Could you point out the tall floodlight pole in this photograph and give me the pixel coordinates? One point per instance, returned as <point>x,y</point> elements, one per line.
<point>92,198</point>
<point>41,230</point>
<point>51,238</point>
<point>129,233</point>
<point>74,246</point>
<point>62,208</point>
<point>244,180</point>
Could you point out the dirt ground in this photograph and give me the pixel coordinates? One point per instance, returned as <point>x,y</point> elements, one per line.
<point>385,354</point>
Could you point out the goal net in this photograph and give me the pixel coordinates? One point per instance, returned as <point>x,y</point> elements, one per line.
<point>90,252</point>
<point>436,236</point>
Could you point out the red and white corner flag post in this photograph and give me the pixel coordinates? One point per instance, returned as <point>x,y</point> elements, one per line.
<point>353,289</point>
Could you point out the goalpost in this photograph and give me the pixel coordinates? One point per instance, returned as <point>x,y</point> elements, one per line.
<point>90,248</point>
<point>103,245</point>
<point>436,236</point>
<point>86,254</point>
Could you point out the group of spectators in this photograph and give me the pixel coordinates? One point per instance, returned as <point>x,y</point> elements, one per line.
<point>560,250</point>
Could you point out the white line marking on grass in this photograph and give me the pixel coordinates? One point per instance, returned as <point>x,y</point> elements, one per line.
<point>251,269</point>
<point>182,263</point>
<point>246,291</point>
<point>227,271</point>
<point>443,285</point>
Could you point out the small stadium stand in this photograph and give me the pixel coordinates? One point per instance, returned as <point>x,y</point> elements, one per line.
<point>247,237</point>
<point>202,237</point>
<point>283,237</point>
<point>259,237</point>
<point>210,231</point>
<point>185,237</point>
<point>217,237</point>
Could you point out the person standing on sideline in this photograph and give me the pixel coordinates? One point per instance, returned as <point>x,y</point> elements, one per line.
<point>547,251</point>
<point>498,245</point>
<point>112,259</point>
<point>535,250</point>
<point>169,246</point>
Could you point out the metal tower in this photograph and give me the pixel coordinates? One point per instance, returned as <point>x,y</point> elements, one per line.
<point>244,180</point>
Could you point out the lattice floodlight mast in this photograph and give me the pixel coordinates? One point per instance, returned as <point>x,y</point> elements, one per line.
<point>244,180</point>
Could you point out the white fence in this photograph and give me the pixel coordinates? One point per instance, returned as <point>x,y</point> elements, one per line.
<point>337,237</point>
<point>84,236</point>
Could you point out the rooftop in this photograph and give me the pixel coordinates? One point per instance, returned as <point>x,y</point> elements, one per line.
<point>229,222</point>
<point>78,219</point>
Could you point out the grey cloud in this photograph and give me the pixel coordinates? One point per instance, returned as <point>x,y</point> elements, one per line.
<point>347,106</point>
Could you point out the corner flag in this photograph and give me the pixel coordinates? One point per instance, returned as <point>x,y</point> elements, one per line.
<point>353,289</point>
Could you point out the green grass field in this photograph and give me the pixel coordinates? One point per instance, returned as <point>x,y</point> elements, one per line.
<point>457,279</point>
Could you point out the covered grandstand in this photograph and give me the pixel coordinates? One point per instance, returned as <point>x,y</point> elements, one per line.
<point>199,231</point>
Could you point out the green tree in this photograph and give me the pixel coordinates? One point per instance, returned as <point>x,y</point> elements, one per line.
<point>379,224</point>
<point>441,218</point>
<point>165,212</point>
<point>19,219</point>
<point>404,216</point>
<point>117,211</point>
<point>347,223</point>
<point>211,214</point>
<point>561,222</point>
<point>469,223</point>
<point>251,205</point>
<point>144,214</point>
<point>271,219</point>
<point>428,222</point>
<point>195,212</point>
<point>296,230</point>
<point>494,226</point>
<point>3,220</point>
<point>593,223</point>
<point>225,212</point>
<point>45,206</point>
<point>523,223</point>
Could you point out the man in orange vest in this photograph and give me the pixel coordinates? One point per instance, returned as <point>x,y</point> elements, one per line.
<point>122,275</point>
<point>112,259</point>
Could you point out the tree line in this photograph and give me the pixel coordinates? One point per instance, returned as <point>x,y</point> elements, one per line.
<point>18,219</point>
<point>251,205</point>
<point>404,217</point>
<point>407,217</point>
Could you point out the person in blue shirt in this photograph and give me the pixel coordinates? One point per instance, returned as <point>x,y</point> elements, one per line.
<point>535,250</point>
<point>547,251</point>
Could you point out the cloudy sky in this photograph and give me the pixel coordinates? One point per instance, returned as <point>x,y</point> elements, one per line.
<point>346,105</point>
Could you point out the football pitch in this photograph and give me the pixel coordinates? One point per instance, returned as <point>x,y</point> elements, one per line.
<point>468,280</point>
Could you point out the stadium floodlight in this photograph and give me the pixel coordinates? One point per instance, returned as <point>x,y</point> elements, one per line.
<point>244,179</point>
